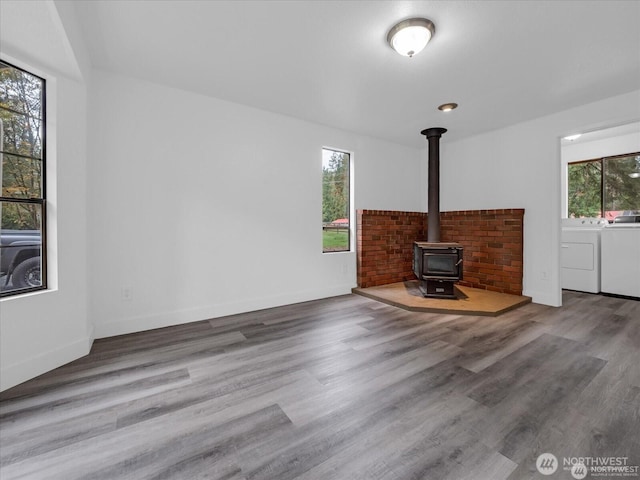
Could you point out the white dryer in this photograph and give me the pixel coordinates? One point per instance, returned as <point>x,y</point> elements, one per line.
<point>580,253</point>
<point>621,259</point>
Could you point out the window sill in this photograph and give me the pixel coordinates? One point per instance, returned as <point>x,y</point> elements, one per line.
<point>29,293</point>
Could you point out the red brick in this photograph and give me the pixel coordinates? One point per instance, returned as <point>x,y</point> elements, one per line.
<point>388,259</point>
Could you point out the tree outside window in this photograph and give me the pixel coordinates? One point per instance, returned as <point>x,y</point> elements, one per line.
<point>606,187</point>
<point>22,167</point>
<point>336,206</point>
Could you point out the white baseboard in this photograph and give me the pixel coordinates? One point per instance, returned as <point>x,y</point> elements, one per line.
<point>544,298</point>
<point>166,319</point>
<point>15,374</point>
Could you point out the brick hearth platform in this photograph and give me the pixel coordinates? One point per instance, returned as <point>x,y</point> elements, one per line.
<point>470,301</point>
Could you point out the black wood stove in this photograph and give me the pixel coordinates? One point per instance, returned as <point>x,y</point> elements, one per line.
<point>438,266</point>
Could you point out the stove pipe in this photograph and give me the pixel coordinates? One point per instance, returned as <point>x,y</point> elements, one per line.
<point>433,206</point>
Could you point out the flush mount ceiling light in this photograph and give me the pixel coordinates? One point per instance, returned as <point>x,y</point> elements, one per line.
<point>411,36</point>
<point>571,138</point>
<point>447,107</point>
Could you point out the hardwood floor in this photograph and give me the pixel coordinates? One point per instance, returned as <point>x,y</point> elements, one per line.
<point>343,388</point>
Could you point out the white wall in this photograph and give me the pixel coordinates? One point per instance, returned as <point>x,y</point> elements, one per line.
<point>519,167</point>
<point>590,150</point>
<point>43,330</point>
<point>202,208</point>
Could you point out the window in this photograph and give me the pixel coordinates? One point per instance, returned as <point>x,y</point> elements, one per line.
<point>606,187</point>
<point>336,207</point>
<point>22,171</point>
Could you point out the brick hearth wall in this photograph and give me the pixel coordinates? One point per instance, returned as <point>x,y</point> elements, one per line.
<point>492,241</point>
<point>385,245</point>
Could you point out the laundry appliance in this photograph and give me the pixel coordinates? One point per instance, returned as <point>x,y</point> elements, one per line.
<point>580,253</point>
<point>620,246</point>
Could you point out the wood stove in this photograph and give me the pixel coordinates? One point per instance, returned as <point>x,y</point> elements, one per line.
<point>437,265</point>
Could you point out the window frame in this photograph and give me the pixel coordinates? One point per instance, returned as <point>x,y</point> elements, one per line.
<point>40,201</point>
<point>350,212</point>
<point>600,160</point>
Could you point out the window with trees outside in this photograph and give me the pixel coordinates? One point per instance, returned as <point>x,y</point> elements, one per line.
<point>606,187</point>
<point>22,171</point>
<point>336,208</point>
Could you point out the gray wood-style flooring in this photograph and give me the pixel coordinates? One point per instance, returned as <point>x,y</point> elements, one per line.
<point>343,388</point>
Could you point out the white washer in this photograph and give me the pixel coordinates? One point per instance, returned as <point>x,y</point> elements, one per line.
<point>621,259</point>
<point>580,253</point>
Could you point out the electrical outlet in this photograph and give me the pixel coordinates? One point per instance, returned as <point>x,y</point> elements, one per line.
<point>544,275</point>
<point>126,294</point>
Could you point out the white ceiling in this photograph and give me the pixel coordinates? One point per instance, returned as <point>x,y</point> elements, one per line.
<point>618,131</point>
<point>45,42</point>
<point>328,61</point>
